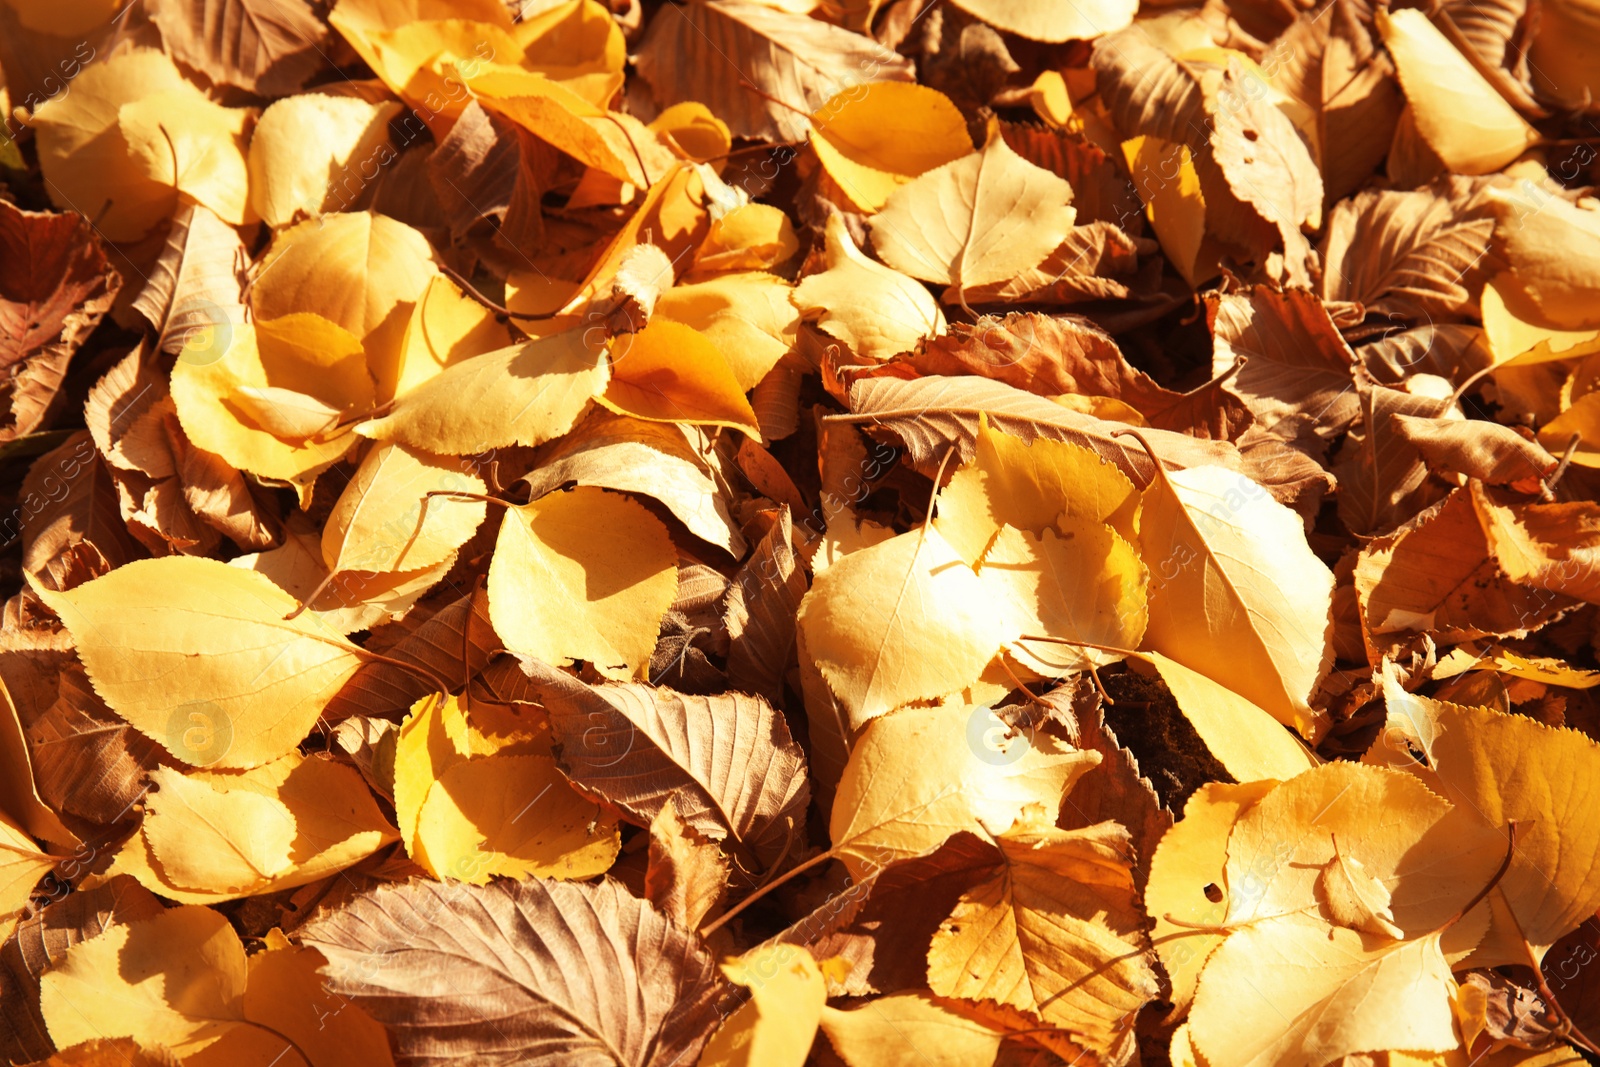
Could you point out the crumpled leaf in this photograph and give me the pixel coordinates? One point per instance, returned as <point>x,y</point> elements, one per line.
<point>471,956</point>
<point>981,218</point>
<point>267,47</point>
<point>1054,932</point>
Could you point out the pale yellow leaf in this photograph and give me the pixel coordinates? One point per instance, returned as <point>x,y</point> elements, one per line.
<point>875,311</point>
<point>386,519</point>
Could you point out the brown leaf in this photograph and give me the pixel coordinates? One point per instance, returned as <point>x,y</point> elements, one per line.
<point>1436,575</point>
<point>931,415</point>
<point>1408,255</point>
<point>42,941</point>
<point>265,47</point>
<point>686,54</point>
<point>1100,190</point>
<point>727,761</point>
<point>1550,547</point>
<point>89,762</point>
<point>1291,476</point>
<point>759,613</point>
<point>196,283</point>
<point>1094,262</point>
<point>534,972</point>
<point>1296,379</point>
<point>1382,478</point>
<point>473,170</point>
<point>1115,790</point>
<point>55,285</point>
<point>1508,1013</point>
<point>1487,451</point>
<point>687,873</point>
<point>912,896</point>
<point>455,640</point>
<point>70,498</point>
<point>1267,165</point>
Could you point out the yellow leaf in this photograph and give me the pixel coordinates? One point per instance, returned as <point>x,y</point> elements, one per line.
<point>1031,485</point>
<point>1164,174</point>
<point>1247,741</point>
<point>1516,342</point>
<point>1295,992</point>
<point>750,237</point>
<point>610,142</point>
<point>578,43</point>
<point>1581,420</point>
<point>22,864</point>
<point>434,737</point>
<point>166,641</point>
<point>921,774</point>
<point>212,836</point>
<point>220,840</point>
<point>876,311</point>
<point>1247,603</point>
<point>1084,584</point>
<point>1054,933</point>
<point>180,979</point>
<point>1552,246</point>
<point>1189,882</point>
<point>1431,857</point>
<point>526,394</point>
<point>909,1030</point>
<point>669,372</point>
<point>1039,20</point>
<point>747,315</point>
<point>871,617</point>
<point>361,270</point>
<point>87,162</point>
<point>1469,125</point>
<point>583,575</point>
<point>184,141</point>
<point>313,153</point>
<point>1510,768</point>
<point>446,327</point>
<point>269,378</point>
<point>1355,898</point>
<point>776,1025</point>
<point>511,816</point>
<point>876,137</point>
<point>983,218</point>
<point>385,520</point>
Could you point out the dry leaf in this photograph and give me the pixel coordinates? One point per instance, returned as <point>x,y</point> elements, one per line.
<point>221,678</point>
<point>979,219</point>
<point>800,61</point>
<point>471,955</point>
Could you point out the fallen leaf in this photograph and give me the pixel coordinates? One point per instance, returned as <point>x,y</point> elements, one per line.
<point>924,130</point>
<point>311,154</point>
<point>1044,22</point>
<point>669,372</point>
<point>727,763</point>
<point>800,61</point>
<point>777,1023</point>
<point>268,47</point>
<point>979,219</point>
<point>585,575</point>
<point>211,836</point>
<point>895,313</point>
<point>180,979</point>
<point>389,519</point>
<point>218,676</point>
<point>915,777</point>
<point>1461,116</point>
<point>1239,559</point>
<point>910,1030</point>
<point>869,614</point>
<point>472,956</point>
<point>687,873</point>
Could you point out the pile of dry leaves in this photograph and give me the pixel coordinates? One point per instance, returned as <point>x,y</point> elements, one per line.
<point>782,532</point>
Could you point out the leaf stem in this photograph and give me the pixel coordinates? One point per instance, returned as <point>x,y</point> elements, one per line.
<point>798,869</point>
